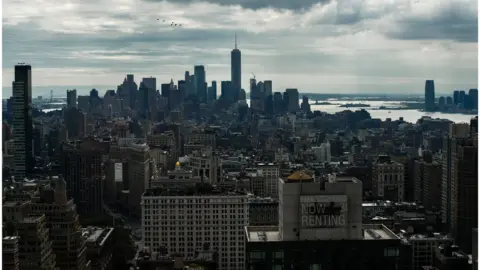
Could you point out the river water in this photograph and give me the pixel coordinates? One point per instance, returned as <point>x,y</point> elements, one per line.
<point>408,115</point>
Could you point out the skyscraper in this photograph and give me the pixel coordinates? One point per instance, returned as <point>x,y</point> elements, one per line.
<point>71,99</point>
<point>236,67</point>
<point>473,93</point>
<point>199,72</point>
<point>429,96</point>
<point>22,120</point>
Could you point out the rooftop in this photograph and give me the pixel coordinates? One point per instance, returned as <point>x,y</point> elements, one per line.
<point>10,239</point>
<point>272,234</point>
<point>263,200</point>
<point>377,232</point>
<point>198,189</point>
<point>299,176</point>
<point>96,235</point>
<point>422,236</point>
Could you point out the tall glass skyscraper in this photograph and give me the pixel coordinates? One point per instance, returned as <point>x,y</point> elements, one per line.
<point>22,121</point>
<point>199,72</point>
<point>429,96</point>
<point>236,66</point>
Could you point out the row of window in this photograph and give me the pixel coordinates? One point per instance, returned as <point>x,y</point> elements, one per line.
<point>201,230</point>
<point>149,221</point>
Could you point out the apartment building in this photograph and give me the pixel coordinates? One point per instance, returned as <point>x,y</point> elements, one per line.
<point>184,218</point>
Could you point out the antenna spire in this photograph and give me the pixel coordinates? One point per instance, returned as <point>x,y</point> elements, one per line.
<point>235,40</point>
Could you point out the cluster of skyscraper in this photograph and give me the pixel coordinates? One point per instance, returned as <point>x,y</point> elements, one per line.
<point>461,101</point>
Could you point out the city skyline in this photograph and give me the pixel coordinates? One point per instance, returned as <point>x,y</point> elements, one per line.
<point>327,48</point>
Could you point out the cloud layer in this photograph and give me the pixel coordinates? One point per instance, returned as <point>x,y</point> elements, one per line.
<point>316,46</point>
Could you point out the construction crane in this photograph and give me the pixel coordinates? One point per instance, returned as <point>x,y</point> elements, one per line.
<point>254,77</point>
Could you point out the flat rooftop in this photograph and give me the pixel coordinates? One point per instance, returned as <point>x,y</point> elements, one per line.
<point>96,235</point>
<point>202,189</point>
<point>272,234</point>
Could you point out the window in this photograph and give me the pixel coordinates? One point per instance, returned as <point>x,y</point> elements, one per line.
<point>257,255</point>
<point>391,252</point>
<point>278,255</point>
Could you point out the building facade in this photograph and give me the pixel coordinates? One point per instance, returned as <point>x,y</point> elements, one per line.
<point>183,219</point>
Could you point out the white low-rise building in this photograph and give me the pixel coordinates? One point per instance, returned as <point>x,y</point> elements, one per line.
<point>182,218</point>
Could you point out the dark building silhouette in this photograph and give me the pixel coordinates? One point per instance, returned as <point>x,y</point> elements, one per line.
<point>464,189</point>
<point>82,168</point>
<point>456,96</point>
<point>461,98</point>
<point>473,93</point>
<point>71,98</point>
<point>236,68</point>
<point>429,96</point>
<point>22,121</point>
<point>226,91</point>
<point>199,72</point>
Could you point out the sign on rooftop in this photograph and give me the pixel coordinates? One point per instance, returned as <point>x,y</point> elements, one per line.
<point>323,211</point>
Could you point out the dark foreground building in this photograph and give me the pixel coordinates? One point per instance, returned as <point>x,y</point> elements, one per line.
<point>320,228</point>
<point>380,249</point>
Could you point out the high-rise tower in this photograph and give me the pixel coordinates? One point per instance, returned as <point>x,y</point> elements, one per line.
<point>236,66</point>
<point>22,120</point>
<point>429,96</point>
<point>199,72</point>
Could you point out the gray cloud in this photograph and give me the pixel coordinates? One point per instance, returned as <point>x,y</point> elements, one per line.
<point>332,44</point>
<point>450,24</point>
<point>259,4</point>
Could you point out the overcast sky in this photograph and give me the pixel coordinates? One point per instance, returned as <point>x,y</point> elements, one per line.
<point>316,46</point>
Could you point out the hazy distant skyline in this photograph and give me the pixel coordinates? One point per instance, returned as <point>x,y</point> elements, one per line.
<point>316,46</point>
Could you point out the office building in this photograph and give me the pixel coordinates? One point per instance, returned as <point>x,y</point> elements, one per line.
<point>212,92</point>
<point>84,103</point>
<point>270,172</point>
<point>464,192</point>
<point>199,72</point>
<point>323,153</point>
<point>82,167</point>
<point>236,69</point>
<point>267,88</point>
<point>388,179</point>
<point>428,182</point>
<point>184,218</point>
<point>138,174</point>
<point>262,211</point>
<point>473,93</point>
<point>71,98</point>
<point>34,243</point>
<point>205,164</point>
<point>227,91</point>
<point>450,257</point>
<point>429,96</point>
<point>62,219</point>
<point>22,121</point>
<point>320,227</point>
<point>292,100</point>
<point>449,145</point>
<point>423,248</point>
<point>10,253</point>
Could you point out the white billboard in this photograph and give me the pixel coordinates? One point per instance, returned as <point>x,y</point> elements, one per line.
<point>323,211</point>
